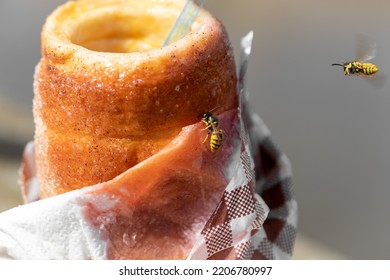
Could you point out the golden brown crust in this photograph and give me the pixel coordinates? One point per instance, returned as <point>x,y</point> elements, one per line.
<point>97,112</point>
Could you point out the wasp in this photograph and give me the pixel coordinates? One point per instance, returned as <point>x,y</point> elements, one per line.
<point>358,68</point>
<point>361,66</point>
<point>214,130</point>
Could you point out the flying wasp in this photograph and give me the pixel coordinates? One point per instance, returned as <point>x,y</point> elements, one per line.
<point>358,68</point>
<point>361,66</point>
<point>214,130</point>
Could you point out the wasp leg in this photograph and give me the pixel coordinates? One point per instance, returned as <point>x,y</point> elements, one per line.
<point>205,122</point>
<point>208,126</point>
<point>207,136</point>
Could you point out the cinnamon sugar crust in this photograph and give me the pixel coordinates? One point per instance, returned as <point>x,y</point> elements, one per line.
<point>108,96</point>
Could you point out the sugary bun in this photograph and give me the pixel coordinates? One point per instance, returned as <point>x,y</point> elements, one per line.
<point>108,95</point>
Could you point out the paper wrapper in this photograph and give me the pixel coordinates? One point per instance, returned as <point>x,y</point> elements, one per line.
<point>256,217</point>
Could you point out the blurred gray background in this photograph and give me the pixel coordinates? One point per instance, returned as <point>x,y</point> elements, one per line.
<point>334,129</point>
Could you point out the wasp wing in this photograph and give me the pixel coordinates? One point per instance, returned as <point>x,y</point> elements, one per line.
<point>366,48</point>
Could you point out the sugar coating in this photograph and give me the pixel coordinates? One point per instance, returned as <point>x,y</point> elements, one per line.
<point>99,112</point>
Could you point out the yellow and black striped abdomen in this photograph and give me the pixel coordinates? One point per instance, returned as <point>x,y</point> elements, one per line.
<point>369,68</point>
<point>215,140</point>
<point>362,68</point>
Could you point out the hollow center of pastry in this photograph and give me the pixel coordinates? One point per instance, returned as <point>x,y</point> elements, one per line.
<point>121,32</point>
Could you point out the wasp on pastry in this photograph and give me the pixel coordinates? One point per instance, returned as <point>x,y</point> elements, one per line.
<point>214,130</point>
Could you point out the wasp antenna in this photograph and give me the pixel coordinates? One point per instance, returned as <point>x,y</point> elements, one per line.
<point>216,107</point>
<point>337,64</point>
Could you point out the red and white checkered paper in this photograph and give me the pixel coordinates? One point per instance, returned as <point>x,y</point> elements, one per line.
<point>257,215</point>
